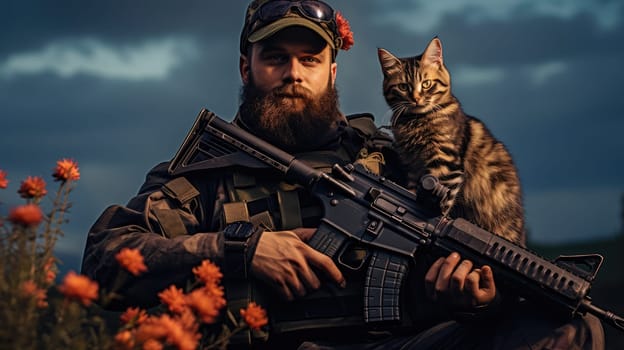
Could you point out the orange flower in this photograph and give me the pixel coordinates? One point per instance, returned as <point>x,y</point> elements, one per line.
<point>254,316</point>
<point>188,320</point>
<point>205,304</point>
<point>215,290</point>
<point>174,298</point>
<point>124,340</point>
<point>66,169</point>
<point>131,260</point>
<point>3,180</point>
<point>32,187</point>
<point>152,344</point>
<point>164,326</point>
<point>80,288</point>
<point>133,315</point>
<point>26,215</point>
<point>208,272</point>
<point>30,289</point>
<point>152,328</point>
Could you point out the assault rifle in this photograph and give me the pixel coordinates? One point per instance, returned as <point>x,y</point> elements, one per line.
<point>376,212</point>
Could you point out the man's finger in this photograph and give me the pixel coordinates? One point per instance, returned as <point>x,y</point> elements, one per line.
<point>472,282</point>
<point>283,289</point>
<point>459,277</point>
<point>487,278</point>
<point>431,277</point>
<point>325,264</point>
<point>480,286</point>
<point>446,270</point>
<point>297,288</point>
<point>309,278</point>
<point>304,233</point>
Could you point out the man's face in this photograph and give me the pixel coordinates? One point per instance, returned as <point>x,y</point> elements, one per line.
<point>296,60</point>
<point>288,95</point>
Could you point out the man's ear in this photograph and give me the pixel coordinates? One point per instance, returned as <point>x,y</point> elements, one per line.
<point>334,71</point>
<point>244,69</point>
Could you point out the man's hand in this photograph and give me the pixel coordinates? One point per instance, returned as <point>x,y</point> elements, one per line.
<point>285,261</point>
<point>455,281</point>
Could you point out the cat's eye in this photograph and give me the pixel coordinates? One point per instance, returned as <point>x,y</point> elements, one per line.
<point>403,87</point>
<point>426,84</point>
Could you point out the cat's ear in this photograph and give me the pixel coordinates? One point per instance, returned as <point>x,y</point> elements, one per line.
<point>433,53</point>
<point>387,59</point>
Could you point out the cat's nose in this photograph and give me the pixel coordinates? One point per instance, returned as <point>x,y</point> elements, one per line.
<point>416,96</point>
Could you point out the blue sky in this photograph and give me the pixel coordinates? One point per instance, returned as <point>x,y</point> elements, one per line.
<point>115,85</point>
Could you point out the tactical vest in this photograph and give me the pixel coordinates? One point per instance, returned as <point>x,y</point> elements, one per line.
<point>275,205</point>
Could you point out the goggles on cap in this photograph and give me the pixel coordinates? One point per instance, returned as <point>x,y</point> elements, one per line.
<point>316,11</point>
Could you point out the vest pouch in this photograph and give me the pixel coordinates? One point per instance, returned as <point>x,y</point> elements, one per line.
<point>324,311</point>
<point>173,208</point>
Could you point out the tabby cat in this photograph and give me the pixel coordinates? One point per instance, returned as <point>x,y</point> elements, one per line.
<point>434,136</point>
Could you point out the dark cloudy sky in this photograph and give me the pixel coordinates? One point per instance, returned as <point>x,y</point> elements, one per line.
<point>116,84</point>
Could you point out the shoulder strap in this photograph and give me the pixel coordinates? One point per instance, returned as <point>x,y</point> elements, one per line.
<point>376,138</point>
<point>364,123</point>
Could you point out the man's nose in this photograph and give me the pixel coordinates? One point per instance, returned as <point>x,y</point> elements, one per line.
<point>292,71</point>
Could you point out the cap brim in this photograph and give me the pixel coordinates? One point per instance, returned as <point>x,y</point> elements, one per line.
<point>285,22</point>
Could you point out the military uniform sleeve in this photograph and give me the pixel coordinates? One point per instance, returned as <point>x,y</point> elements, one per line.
<point>167,224</point>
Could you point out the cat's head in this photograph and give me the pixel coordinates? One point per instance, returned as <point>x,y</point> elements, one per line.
<point>416,85</point>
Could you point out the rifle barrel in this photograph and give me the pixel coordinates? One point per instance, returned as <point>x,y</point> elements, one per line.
<point>605,315</point>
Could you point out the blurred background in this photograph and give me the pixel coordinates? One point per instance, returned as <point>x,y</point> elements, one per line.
<point>116,85</point>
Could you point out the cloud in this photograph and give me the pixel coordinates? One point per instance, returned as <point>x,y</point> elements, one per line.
<point>543,72</point>
<point>423,16</point>
<point>474,75</point>
<point>536,74</point>
<point>149,60</point>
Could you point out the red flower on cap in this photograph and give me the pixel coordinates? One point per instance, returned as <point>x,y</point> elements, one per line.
<point>344,30</point>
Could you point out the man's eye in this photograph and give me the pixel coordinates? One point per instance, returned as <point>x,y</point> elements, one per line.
<point>275,59</point>
<point>310,59</point>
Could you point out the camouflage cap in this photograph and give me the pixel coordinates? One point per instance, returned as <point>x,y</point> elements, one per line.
<point>264,18</point>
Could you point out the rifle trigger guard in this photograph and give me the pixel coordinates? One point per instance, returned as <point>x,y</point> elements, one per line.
<point>354,260</point>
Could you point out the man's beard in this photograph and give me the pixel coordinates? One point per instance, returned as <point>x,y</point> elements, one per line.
<point>289,117</point>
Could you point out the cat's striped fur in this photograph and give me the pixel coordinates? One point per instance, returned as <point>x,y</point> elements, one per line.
<point>434,136</point>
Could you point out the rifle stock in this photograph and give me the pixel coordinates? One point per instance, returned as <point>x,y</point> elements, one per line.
<point>360,207</point>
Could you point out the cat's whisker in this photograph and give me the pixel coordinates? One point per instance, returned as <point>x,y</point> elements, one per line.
<point>397,110</point>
